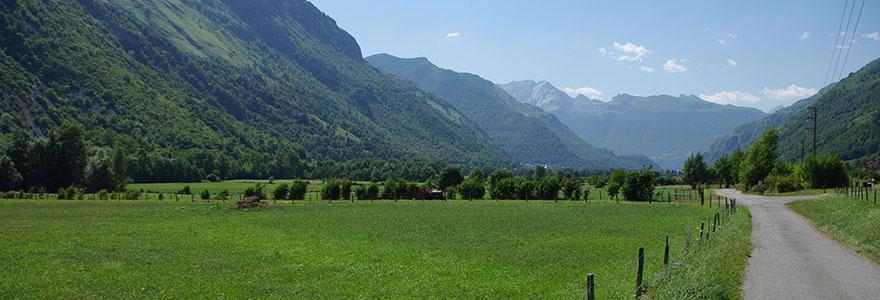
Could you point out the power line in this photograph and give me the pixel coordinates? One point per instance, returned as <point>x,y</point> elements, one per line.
<point>845,34</point>
<point>851,40</point>
<point>836,41</point>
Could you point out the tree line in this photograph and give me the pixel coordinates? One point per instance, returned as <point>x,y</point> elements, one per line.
<point>758,169</point>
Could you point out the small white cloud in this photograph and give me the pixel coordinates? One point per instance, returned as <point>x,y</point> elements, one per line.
<point>723,42</point>
<point>873,35</point>
<point>627,52</point>
<point>732,63</point>
<point>790,93</point>
<point>453,35</point>
<point>591,93</point>
<point>647,69</point>
<point>732,97</point>
<point>674,66</point>
<point>732,35</point>
<point>805,35</point>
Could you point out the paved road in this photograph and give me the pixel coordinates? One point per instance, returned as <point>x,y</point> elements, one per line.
<point>792,260</point>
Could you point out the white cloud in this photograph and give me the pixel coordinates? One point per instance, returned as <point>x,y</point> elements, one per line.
<point>674,66</point>
<point>453,35</point>
<point>805,35</point>
<point>873,35</point>
<point>732,63</point>
<point>647,69</point>
<point>591,93</point>
<point>723,42</point>
<point>790,93</point>
<point>732,35</point>
<point>626,52</point>
<point>732,97</point>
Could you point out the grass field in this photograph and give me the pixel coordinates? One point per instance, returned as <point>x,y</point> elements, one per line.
<point>848,220</point>
<point>149,249</point>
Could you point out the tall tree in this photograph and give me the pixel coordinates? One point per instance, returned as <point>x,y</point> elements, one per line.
<point>119,167</point>
<point>761,159</point>
<point>540,172</point>
<point>450,177</point>
<point>67,151</point>
<point>723,167</point>
<point>9,176</point>
<point>695,173</point>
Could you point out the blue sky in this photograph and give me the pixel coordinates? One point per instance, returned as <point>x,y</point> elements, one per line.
<point>751,53</point>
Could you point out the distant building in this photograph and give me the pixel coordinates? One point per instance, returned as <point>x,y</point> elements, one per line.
<point>434,194</point>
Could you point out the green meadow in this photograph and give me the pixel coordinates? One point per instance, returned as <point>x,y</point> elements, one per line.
<point>408,249</point>
<point>854,222</point>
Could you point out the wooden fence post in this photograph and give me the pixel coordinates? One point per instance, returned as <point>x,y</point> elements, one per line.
<point>687,242</point>
<point>701,231</point>
<point>591,285</point>
<point>666,253</point>
<point>640,272</point>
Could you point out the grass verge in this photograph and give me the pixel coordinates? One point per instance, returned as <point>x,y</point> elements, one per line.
<point>847,220</point>
<point>713,270</point>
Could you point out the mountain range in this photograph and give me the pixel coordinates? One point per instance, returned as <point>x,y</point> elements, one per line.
<point>526,133</point>
<point>667,129</point>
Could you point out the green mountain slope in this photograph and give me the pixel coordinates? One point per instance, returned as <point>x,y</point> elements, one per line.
<point>665,128</point>
<point>243,82</point>
<point>526,133</point>
<point>742,137</point>
<point>848,117</point>
<point>848,114</point>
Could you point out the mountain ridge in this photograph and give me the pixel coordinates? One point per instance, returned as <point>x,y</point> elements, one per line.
<point>665,128</point>
<point>526,133</point>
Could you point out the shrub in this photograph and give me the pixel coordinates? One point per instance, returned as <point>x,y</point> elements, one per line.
<point>298,190</point>
<point>103,194</point>
<point>255,191</point>
<point>185,191</point>
<point>571,188</point>
<point>205,195</point>
<point>331,190</point>
<point>472,188</point>
<point>783,183</point>
<point>132,195</point>
<point>281,192</point>
<point>223,195</point>
<point>345,189</point>
<point>548,188</point>
<point>639,185</point>
<point>71,193</point>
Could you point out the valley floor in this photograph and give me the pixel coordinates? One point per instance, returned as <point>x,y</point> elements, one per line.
<point>408,249</point>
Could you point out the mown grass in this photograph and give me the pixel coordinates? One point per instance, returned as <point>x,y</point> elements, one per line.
<point>848,220</point>
<point>456,249</point>
<point>714,268</point>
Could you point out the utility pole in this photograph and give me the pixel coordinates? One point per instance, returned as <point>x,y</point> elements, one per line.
<point>802,149</point>
<point>815,125</point>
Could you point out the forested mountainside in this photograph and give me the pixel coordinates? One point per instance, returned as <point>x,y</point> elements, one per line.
<point>240,88</point>
<point>848,119</point>
<point>524,132</point>
<point>665,128</point>
<point>742,137</point>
